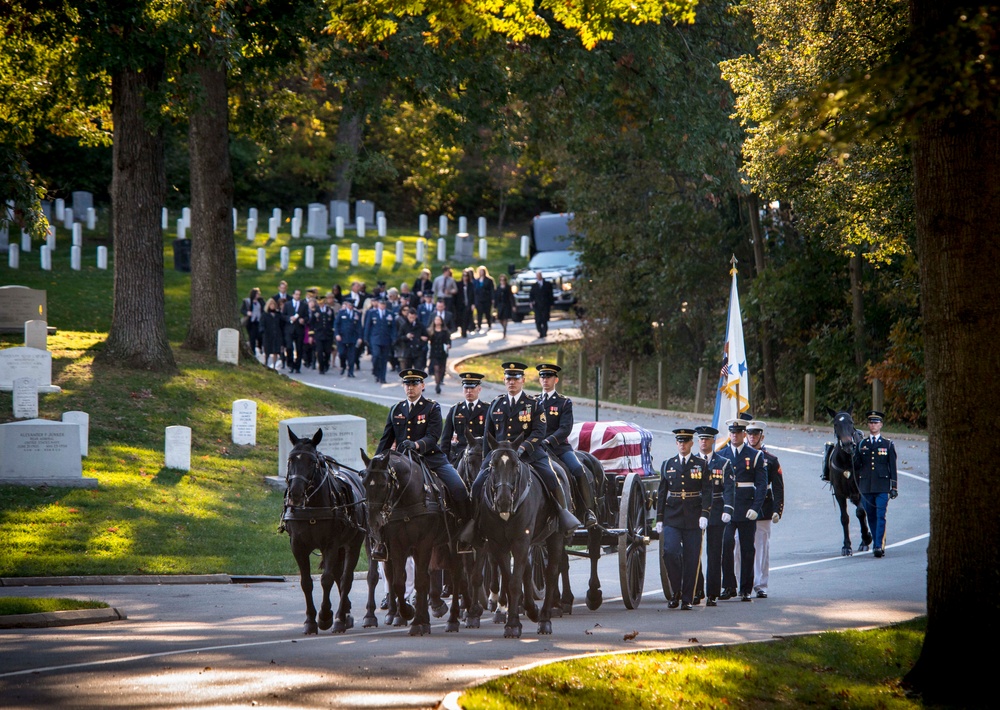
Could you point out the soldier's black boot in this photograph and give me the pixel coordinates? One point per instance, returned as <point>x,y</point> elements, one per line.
<point>466,538</point>
<point>589,503</point>
<point>379,552</point>
<point>567,521</point>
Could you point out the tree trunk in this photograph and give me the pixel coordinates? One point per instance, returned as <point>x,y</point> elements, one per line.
<point>138,335</point>
<point>956,163</point>
<point>772,397</point>
<point>214,299</point>
<point>349,132</point>
<point>858,315</point>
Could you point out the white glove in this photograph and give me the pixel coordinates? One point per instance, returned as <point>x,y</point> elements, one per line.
<point>751,514</point>
<point>775,518</point>
<point>659,528</point>
<point>726,517</point>
<point>702,523</point>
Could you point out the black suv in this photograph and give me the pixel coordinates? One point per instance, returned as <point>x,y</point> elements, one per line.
<point>550,244</point>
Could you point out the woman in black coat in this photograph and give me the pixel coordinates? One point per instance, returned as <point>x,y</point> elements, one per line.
<point>440,340</point>
<point>504,300</point>
<point>271,322</point>
<point>484,298</point>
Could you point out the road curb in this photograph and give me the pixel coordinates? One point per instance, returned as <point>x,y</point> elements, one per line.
<point>49,619</point>
<point>85,580</point>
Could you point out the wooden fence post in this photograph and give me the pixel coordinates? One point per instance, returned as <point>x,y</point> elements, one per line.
<point>699,392</point>
<point>809,401</point>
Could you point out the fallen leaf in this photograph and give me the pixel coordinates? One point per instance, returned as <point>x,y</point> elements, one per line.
<point>692,640</point>
<point>588,632</point>
<point>630,635</point>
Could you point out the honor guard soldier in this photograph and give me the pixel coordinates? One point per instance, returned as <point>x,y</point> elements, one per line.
<point>558,426</point>
<point>683,502</point>
<point>748,499</point>
<point>875,462</point>
<point>770,513</point>
<point>465,417</point>
<point>720,472</point>
<point>511,416</point>
<point>347,332</point>
<point>380,331</point>
<point>415,425</point>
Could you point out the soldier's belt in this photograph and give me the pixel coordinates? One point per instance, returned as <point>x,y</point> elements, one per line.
<point>720,496</point>
<point>683,494</point>
<point>745,484</point>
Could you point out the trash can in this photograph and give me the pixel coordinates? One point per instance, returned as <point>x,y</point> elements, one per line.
<point>182,255</point>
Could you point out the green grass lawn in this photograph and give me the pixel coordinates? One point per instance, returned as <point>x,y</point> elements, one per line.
<point>851,669</point>
<point>35,605</point>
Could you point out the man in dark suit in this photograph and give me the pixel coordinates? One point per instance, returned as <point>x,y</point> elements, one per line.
<point>770,513</point>
<point>415,425</point>
<point>720,472</point>
<point>683,503</point>
<point>468,416</point>
<point>296,317</point>
<point>875,461</point>
<point>558,411</point>
<point>751,487</point>
<point>540,296</point>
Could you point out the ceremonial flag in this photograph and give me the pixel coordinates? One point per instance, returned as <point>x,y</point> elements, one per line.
<point>733,394</point>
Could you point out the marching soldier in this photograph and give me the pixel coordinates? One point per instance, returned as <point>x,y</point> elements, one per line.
<point>683,502</point>
<point>558,426</point>
<point>770,513</point>
<point>468,416</point>
<point>720,472</point>
<point>415,425</point>
<point>741,517</point>
<point>348,334</point>
<point>875,462</point>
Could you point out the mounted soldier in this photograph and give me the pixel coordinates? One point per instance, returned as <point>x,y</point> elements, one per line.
<point>465,418</point>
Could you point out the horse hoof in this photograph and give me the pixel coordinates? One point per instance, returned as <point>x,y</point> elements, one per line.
<point>407,611</point>
<point>452,627</point>
<point>545,627</point>
<point>439,611</point>
<point>325,620</point>
<point>398,621</point>
<point>389,618</point>
<point>472,622</point>
<point>500,617</point>
<point>862,548</point>
<point>556,612</point>
<point>309,627</point>
<point>420,629</point>
<point>846,552</point>
<point>370,622</point>
<point>512,632</point>
<point>594,599</point>
<point>339,627</point>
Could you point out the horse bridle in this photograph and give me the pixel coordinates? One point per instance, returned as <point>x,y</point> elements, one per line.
<point>496,487</point>
<point>319,462</point>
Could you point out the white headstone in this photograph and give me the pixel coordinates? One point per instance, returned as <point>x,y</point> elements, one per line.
<point>25,242</point>
<point>339,227</point>
<point>276,214</point>
<point>482,249</point>
<point>463,246</point>
<point>82,201</point>
<point>227,346</point>
<point>272,228</point>
<point>296,226</point>
<point>379,252</point>
<point>177,448</point>
<point>422,225</point>
<point>36,334</point>
<point>340,208</point>
<point>399,252</point>
<point>252,213</point>
<point>186,216</point>
<point>317,224</point>
<point>463,224</point>
<point>50,238</point>
<point>26,362</point>
<point>45,255</point>
<point>355,254</point>
<point>421,249</point>
<point>68,218</point>
<point>310,258</point>
<point>251,229</point>
<point>525,246</point>
<point>334,257</point>
<point>298,213</point>
<point>344,435</point>
<point>359,227</point>
<point>102,257</point>
<point>285,255</point>
<point>366,210</point>
<point>443,225</point>
<point>60,209</point>
<point>75,257</point>
<point>245,422</point>
<point>13,256</point>
<point>91,218</point>
<point>482,226</point>
<point>39,451</point>
<point>379,215</point>
<point>382,226</point>
<point>261,259</point>
<point>181,228</point>
<point>236,220</point>
<point>164,218</point>
<point>442,249</point>
<point>77,234</point>
<point>81,419</point>
<point>25,398</point>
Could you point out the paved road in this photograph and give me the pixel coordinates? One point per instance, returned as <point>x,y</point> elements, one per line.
<point>222,645</point>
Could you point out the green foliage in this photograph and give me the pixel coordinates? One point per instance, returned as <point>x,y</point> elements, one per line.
<point>35,605</point>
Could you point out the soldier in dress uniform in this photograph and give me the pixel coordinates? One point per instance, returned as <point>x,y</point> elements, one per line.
<point>770,513</point>
<point>415,425</point>
<point>720,471</point>
<point>683,503</point>
<point>348,333</point>
<point>380,331</point>
<point>514,415</point>
<point>322,321</point>
<point>750,489</point>
<point>558,426</point>
<point>468,416</point>
<point>875,462</point>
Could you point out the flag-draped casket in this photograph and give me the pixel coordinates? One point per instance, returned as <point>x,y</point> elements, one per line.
<point>621,447</point>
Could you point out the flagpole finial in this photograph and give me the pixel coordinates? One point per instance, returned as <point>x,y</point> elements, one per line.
<point>733,261</point>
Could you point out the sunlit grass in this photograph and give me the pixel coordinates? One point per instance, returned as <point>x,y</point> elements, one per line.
<point>852,669</point>
<point>36,605</point>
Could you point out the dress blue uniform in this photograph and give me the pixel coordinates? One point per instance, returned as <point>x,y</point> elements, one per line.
<point>720,472</point>
<point>683,498</point>
<point>750,489</point>
<point>463,418</point>
<point>875,462</point>
<point>347,329</point>
<point>322,321</point>
<point>380,332</point>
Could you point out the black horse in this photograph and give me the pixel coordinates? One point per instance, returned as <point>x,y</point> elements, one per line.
<point>514,514</point>
<point>839,471</point>
<point>407,507</point>
<point>324,510</point>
